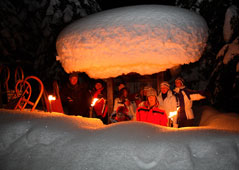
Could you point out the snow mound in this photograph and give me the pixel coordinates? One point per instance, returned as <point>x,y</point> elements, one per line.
<point>51,141</point>
<point>145,39</point>
<point>211,118</point>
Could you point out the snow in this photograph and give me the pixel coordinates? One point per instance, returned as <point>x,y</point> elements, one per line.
<point>145,39</point>
<point>223,121</point>
<point>52,141</point>
<point>229,51</point>
<point>228,27</point>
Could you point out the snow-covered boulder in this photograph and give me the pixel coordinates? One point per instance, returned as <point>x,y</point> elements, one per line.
<point>53,141</point>
<point>145,39</point>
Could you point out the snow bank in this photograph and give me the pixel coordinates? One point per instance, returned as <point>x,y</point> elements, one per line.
<point>52,141</point>
<point>145,39</point>
<point>211,118</point>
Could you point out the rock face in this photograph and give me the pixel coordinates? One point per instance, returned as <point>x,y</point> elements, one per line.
<point>145,39</point>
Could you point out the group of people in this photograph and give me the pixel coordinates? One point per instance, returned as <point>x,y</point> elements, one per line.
<point>147,106</point>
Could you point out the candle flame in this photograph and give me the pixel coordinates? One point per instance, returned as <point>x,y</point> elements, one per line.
<point>51,97</point>
<point>94,101</point>
<point>174,113</point>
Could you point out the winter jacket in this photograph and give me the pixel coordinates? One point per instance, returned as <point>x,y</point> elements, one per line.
<point>169,104</point>
<point>130,109</point>
<point>185,98</point>
<point>153,115</point>
<point>75,100</point>
<point>100,108</point>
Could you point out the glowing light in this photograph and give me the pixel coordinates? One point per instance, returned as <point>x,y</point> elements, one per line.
<point>174,113</point>
<point>94,101</point>
<point>51,97</point>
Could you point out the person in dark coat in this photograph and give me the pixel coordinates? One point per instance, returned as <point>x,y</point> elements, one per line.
<point>100,107</point>
<point>185,98</point>
<point>75,97</point>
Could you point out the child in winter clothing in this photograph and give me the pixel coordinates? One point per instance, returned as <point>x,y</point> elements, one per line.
<point>149,110</point>
<point>185,98</point>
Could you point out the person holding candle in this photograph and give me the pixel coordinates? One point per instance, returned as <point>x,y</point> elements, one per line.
<point>99,96</point>
<point>167,100</point>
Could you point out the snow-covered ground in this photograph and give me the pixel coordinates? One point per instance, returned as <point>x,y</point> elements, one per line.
<point>53,141</point>
<point>145,39</point>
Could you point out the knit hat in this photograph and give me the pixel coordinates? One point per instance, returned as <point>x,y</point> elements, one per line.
<point>147,88</point>
<point>151,92</point>
<point>180,79</point>
<point>165,84</point>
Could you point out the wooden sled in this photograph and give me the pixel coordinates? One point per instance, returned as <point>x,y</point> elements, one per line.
<point>6,93</point>
<point>21,99</point>
<point>54,105</point>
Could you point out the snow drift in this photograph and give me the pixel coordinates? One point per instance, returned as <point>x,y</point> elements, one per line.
<point>53,141</point>
<point>145,39</point>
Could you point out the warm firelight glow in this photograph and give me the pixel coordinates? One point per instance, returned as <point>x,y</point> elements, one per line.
<point>51,97</point>
<point>174,113</point>
<point>94,101</point>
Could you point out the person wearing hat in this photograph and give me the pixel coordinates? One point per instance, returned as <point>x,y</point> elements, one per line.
<point>167,100</point>
<point>185,98</point>
<point>149,111</point>
<point>141,96</point>
<point>75,97</point>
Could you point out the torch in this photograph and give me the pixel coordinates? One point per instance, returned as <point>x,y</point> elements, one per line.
<point>92,105</point>
<point>50,98</point>
<point>171,115</point>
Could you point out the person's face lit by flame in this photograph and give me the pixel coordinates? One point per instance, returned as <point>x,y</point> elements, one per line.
<point>152,100</point>
<point>164,89</point>
<point>98,86</point>
<point>73,80</point>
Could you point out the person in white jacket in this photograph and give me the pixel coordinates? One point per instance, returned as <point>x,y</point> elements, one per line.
<point>185,98</point>
<point>123,101</point>
<point>167,101</point>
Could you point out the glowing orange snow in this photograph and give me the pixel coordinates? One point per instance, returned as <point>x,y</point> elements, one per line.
<point>145,39</point>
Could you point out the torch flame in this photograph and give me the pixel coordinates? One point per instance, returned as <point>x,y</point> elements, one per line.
<point>174,113</point>
<point>94,101</point>
<point>51,97</point>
